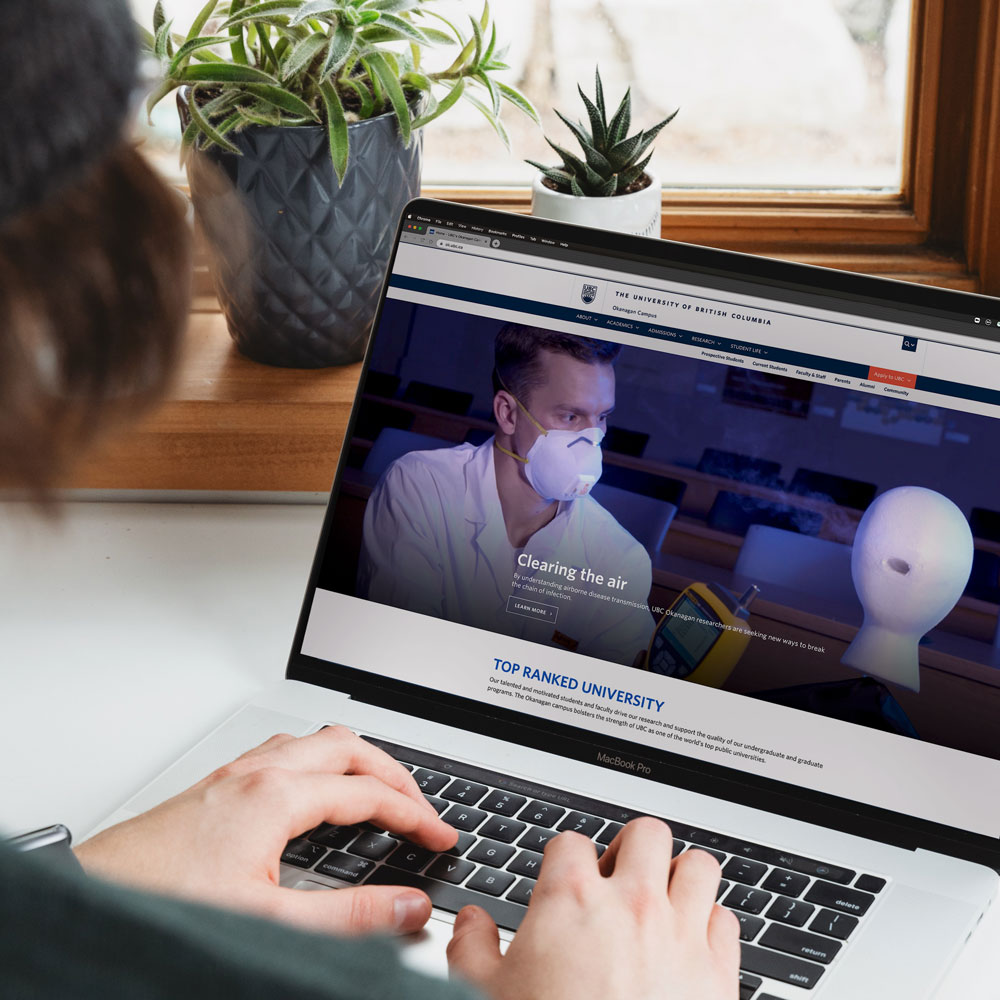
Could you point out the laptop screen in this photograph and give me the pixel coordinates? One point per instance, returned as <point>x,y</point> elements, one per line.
<point>678,501</point>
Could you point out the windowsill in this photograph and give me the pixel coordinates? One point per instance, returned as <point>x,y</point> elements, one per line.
<point>231,424</point>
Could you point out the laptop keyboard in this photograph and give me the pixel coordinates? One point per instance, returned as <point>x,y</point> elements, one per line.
<point>796,914</point>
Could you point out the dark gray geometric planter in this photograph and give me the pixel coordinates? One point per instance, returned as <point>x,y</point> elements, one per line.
<point>298,260</point>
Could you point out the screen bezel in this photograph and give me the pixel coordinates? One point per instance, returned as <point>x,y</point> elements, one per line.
<point>717,780</point>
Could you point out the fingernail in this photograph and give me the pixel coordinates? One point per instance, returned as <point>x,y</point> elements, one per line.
<point>410,911</point>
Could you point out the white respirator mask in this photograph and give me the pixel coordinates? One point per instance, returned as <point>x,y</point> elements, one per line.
<point>561,465</point>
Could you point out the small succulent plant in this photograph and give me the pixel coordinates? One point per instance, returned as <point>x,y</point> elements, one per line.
<point>612,161</point>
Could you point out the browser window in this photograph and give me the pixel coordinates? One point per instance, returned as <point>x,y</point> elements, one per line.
<point>736,522</point>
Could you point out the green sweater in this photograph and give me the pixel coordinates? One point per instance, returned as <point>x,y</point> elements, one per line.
<point>64,936</point>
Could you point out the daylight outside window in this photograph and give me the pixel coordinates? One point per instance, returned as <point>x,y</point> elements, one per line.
<point>810,94</point>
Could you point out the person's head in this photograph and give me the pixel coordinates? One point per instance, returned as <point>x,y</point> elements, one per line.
<point>550,380</point>
<point>94,252</point>
<point>564,382</point>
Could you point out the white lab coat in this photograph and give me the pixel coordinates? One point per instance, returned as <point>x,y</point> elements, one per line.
<point>435,542</point>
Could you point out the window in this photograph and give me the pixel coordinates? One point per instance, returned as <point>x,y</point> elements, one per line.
<point>771,94</point>
<point>852,133</point>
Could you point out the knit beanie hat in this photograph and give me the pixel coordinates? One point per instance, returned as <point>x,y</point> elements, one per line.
<point>69,70</point>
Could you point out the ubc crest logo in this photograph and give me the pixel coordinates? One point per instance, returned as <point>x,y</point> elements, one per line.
<point>588,293</point>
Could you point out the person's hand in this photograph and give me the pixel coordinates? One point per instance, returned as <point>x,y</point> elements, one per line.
<point>220,841</point>
<point>633,926</point>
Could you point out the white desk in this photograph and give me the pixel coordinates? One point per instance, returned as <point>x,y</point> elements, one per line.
<point>131,629</point>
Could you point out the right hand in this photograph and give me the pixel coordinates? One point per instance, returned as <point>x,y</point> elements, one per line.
<point>632,926</point>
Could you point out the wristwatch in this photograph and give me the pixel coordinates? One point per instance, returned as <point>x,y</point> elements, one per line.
<point>50,844</point>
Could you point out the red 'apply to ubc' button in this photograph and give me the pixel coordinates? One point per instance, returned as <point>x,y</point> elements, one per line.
<point>887,375</point>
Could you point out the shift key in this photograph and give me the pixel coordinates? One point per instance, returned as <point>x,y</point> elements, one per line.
<point>781,968</point>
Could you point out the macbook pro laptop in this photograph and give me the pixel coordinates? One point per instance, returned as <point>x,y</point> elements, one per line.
<point>745,581</point>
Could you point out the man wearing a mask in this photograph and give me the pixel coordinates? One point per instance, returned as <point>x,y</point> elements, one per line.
<point>474,534</point>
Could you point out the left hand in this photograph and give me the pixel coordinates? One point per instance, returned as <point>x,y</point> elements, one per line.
<point>220,841</point>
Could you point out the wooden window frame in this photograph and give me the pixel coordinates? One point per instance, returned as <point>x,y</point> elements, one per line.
<point>943,227</point>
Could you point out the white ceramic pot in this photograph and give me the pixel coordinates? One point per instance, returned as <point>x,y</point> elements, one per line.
<point>637,213</point>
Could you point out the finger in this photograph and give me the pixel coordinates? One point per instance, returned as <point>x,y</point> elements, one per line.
<point>724,935</point>
<point>694,881</point>
<point>641,852</point>
<point>474,948</point>
<point>570,863</point>
<point>337,750</point>
<point>367,909</point>
<point>299,800</point>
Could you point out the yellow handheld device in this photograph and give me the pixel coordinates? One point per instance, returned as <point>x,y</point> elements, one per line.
<point>702,635</point>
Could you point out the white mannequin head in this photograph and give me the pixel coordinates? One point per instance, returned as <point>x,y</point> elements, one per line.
<point>910,563</point>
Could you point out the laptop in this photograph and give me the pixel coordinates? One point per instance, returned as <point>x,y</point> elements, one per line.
<point>625,526</point>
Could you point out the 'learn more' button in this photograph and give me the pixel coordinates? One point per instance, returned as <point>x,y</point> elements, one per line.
<point>531,609</point>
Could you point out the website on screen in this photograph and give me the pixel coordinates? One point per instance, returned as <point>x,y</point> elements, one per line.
<point>755,532</point>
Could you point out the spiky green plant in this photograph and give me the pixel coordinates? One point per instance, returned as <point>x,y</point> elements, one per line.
<point>612,160</point>
<point>306,62</point>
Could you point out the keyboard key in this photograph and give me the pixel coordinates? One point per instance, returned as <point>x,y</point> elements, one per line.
<point>723,886</point>
<point>449,897</point>
<point>526,863</point>
<point>609,833</point>
<point>490,881</point>
<point>410,858</point>
<point>430,782</point>
<point>502,803</point>
<point>838,925</point>
<point>302,854</point>
<point>870,883</point>
<point>748,985</point>
<point>749,926</point>
<point>542,814</point>
<point>521,893</point>
<point>464,817</point>
<point>453,870</point>
<point>838,898</point>
<point>503,829</point>
<point>787,883</point>
<point>678,847</point>
<point>439,804</point>
<point>492,853</point>
<point>409,767</point>
<point>749,900</point>
<point>465,841</point>
<point>801,943</point>
<point>373,846</point>
<point>781,968</point>
<point>346,867</point>
<point>536,838</point>
<point>790,911</point>
<point>466,792</point>
<point>580,822</point>
<point>337,837</point>
<point>747,872</point>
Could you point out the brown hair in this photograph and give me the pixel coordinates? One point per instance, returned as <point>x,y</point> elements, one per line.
<point>94,293</point>
<point>517,367</point>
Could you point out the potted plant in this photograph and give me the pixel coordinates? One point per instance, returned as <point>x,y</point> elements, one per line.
<point>301,135</point>
<point>611,185</point>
